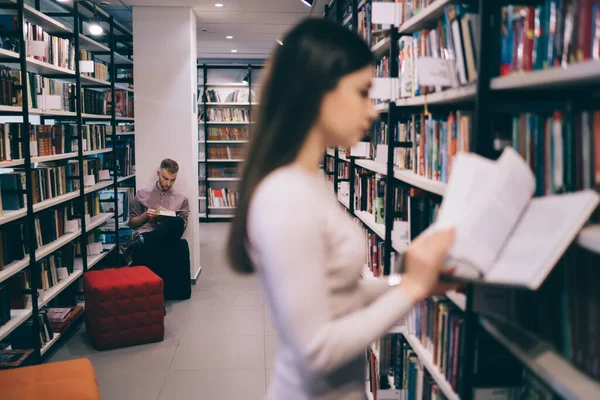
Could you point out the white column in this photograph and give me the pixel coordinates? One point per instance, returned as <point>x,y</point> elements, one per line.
<point>164,47</point>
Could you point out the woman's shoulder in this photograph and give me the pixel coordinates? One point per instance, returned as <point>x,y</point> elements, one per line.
<point>287,188</point>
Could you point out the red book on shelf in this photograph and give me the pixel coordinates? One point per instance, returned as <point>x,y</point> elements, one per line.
<point>528,38</point>
<point>584,30</point>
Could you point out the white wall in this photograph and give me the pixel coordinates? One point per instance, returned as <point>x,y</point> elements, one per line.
<point>164,46</point>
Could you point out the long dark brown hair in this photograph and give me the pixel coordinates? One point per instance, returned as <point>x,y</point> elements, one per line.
<point>315,55</point>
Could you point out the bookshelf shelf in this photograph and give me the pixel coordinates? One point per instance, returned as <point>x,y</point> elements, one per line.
<point>90,44</point>
<point>427,359</point>
<point>98,186</point>
<point>342,156</point>
<point>51,113</point>
<point>125,133</point>
<point>224,160</point>
<point>226,141</point>
<point>221,208</point>
<point>228,104</point>
<point>373,166</point>
<point>227,85</point>
<point>331,152</point>
<point>51,343</point>
<point>222,216</point>
<point>12,215</point>
<point>382,107</point>
<point>93,259</point>
<point>98,220</point>
<point>59,287</point>
<point>95,116</point>
<point>345,200</point>
<point>49,24</point>
<point>53,202</point>
<point>420,182</point>
<point>13,163</point>
<point>224,179</point>
<point>589,238</point>
<point>96,152</point>
<point>543,360</point>
<point>125,87</point>
<point>88,80</point>
<point>44,68</point>
<point>17,317</point>
<point>369,220</point>
<point>10,55</point>
<point>425,17</point>
<point>124,178</point>
<point>126,119</point>
<point>14,268</point>
<point>225,123</point>
<point>583,73</point>
<point>54,157</point>
<point>459,299</point>
<point>55,245</point>
<point>449,96</point>
<point>381,48</point>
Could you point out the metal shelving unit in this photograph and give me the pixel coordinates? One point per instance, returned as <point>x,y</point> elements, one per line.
<point>73,14</point>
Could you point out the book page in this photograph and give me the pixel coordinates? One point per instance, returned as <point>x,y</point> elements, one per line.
<point>543,234</point>
<point>493,201</point>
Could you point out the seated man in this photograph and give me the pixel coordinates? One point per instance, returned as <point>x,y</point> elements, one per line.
<point>157,240</point>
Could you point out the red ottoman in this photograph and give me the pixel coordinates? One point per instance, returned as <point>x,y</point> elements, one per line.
<point>123,307</point>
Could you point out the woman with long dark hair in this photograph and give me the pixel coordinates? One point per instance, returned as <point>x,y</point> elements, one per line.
<point>289,229</point>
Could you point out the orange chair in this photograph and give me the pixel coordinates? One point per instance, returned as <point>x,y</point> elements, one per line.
<point>66,380</point>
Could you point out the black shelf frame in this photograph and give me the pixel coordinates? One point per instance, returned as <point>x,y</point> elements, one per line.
<point>203,102</point>
<point>77,14</point>
<point>486,104</point>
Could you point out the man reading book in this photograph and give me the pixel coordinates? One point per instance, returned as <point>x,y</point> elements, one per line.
<point>159,215</point>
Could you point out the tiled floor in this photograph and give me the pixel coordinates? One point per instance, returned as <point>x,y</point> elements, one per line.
<point>218,345</point>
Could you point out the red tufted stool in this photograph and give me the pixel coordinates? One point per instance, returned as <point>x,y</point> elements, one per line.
<point>123,307</point>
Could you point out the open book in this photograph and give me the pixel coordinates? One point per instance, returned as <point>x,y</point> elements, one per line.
<point>163,212</point>
<point>503,234</point>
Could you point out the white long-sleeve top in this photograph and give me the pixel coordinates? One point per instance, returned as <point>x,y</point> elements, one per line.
<point>309,256</point>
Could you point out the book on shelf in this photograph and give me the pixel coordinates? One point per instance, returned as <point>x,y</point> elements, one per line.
<point>124,103</point>
<point>227,133</point>
<point>16,358</point>
<point>24,337</point>
<point>47,93</point>
<point>235,96</point>
<point>226,153</point>
<point>100,70</point>
<point>224,115</point>
<point>48,48</point>
<point>61,318</point>
<point>554,33</point>
<point>491,206</point>
<point>222,197</point>
<point>223,172</point>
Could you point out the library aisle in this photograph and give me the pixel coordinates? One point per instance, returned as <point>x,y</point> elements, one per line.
<point>218,345</point>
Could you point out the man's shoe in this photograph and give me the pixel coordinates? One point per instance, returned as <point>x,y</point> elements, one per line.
<point>127,250</point>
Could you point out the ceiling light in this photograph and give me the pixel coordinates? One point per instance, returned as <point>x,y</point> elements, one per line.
<point>229,37</point>
<point>234,51</point>
<point>218,4</point>
<point>96,29</point>
<point>280,42</point>
<point>308,2</point>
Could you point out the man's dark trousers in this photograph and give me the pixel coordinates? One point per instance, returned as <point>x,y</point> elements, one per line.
<point>168,256</point>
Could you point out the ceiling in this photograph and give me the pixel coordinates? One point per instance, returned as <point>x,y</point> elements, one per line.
<point>254,24</point>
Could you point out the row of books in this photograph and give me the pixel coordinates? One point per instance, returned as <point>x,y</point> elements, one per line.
<point>235,96</point>
<point>227,133</point>
<point>562,147</point>
<point>101,70</point>
<point>329,165</point>
<point>48,48</point>
<point>343,170</point>
<point>123,102</point>
<point>553,33</point>
<point>369,194</point>
<point>455,39</point>
<point>10,94</point>
<point>39,89</point>
<point>225,115</point>
<point>222,197</point>
<point>226,153</point>
<point>222,172</point>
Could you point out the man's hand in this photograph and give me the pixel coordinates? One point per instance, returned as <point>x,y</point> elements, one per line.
<point>150,215</point>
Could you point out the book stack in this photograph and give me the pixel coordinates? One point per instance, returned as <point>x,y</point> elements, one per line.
<point>62,318</point>
<point>555,33</point>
